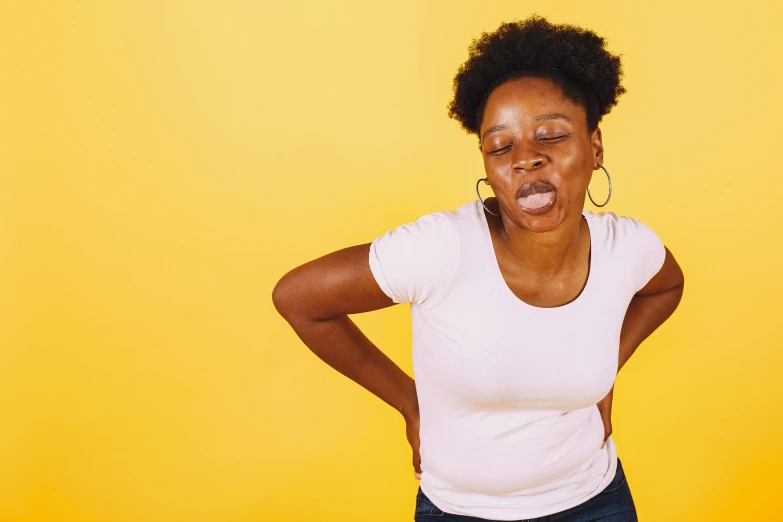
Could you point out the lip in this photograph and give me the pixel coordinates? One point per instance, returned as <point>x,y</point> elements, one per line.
<point>532,187</point>
<point>541,210</point>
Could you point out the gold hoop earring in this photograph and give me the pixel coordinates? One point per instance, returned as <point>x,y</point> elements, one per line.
<point>588,189</point>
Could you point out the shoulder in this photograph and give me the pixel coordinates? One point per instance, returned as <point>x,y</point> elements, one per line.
<point>434,230</point>
<point>463,212</point>
<point>415,261</point>
<point>616,229</point>
<point>633,247</point>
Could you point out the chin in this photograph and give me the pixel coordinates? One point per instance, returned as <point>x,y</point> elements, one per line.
<point>542,222</point>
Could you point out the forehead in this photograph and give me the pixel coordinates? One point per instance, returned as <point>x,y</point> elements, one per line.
<point>527,97</point>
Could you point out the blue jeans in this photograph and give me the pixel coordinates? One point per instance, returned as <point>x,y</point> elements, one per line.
<point>613,504</point>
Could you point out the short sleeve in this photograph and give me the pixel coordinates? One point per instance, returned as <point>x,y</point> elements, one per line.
<point>415,262</point>
<point>645,250</point>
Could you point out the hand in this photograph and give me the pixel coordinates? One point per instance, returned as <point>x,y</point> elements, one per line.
<point>412,432</point>
<point>605,407</point>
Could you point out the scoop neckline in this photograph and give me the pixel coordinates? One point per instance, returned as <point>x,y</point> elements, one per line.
<point>490,250</point>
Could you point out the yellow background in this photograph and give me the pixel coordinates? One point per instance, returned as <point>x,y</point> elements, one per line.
<point>163,164</point>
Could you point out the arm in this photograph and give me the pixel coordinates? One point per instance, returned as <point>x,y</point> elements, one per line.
<point>316,298</point>
<point>650,307</point>
<point>648,310</point>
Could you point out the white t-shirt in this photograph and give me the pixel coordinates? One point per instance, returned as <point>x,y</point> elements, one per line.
<point>508,392</point>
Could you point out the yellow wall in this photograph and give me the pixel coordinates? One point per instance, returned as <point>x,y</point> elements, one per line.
<point>163,164</point>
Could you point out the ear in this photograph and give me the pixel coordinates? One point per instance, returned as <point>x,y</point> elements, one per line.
<point>598,148</point>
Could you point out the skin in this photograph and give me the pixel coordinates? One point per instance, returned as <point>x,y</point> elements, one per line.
<point>317,297</point>
<point>543,258</point>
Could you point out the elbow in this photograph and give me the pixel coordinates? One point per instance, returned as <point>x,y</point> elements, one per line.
<point>677,292</point>
<point>282,296</point>
<point>681,285</point>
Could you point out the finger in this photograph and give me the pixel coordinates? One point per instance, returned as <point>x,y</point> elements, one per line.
<point>417,475</point>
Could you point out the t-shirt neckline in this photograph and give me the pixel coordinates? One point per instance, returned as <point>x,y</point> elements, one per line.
<point>495,266</point>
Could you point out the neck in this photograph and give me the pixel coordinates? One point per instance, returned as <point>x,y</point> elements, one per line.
<point>544,254</point>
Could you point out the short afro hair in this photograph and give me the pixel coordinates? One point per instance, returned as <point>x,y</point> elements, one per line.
<point>572,57</point>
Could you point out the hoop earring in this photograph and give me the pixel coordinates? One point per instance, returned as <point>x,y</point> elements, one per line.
<point>588,189</point>
<point>479,196</point>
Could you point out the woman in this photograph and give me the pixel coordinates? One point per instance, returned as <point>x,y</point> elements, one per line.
<point>524,306</point>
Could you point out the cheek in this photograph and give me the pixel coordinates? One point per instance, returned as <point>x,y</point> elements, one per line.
<point>575,169</point>
<point>499,172</point>
<point>572,159</point>
<point>571,182</point>
<point>497,164</point>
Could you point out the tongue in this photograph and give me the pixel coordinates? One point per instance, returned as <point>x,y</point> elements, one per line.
<point>538,200</point>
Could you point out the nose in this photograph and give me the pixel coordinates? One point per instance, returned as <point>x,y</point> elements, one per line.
<point>528,157</point>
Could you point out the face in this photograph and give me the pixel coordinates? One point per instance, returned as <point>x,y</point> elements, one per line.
<point>538,153</point>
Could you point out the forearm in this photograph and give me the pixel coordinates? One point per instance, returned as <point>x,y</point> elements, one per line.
<point>644,315</point>
<point>341,345</point>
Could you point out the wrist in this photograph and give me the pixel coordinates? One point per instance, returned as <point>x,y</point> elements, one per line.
<point>409,409</point>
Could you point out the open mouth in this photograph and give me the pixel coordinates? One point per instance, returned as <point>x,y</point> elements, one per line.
<point>536,197</point>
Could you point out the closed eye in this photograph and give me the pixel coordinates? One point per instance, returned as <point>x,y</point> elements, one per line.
<point>551,139</point>
<point>501,150</point>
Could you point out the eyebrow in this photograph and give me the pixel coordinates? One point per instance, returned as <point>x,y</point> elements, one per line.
<point>540,117</point>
